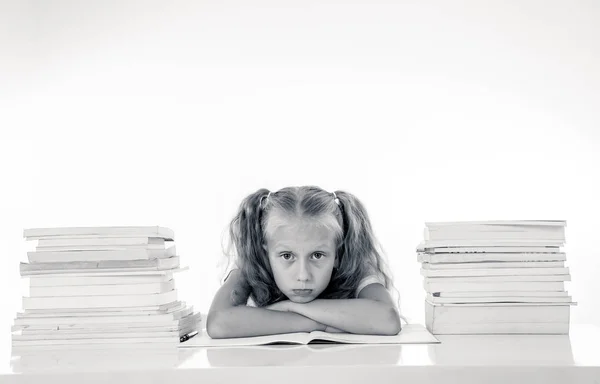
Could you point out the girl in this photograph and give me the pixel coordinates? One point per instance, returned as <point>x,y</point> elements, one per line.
<point>305,260</point>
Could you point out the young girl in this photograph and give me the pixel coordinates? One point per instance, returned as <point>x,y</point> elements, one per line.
<point>305,260</point>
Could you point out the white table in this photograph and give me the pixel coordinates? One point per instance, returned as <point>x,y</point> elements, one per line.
<point>573,358</point>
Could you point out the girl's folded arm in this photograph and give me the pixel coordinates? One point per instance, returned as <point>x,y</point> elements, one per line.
<point>230,317</point>
<point>373,312</point>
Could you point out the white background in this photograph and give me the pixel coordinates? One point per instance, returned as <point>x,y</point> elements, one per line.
<point>169,113</point>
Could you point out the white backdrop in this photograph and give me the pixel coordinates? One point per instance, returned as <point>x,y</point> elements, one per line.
<point>148,113</point>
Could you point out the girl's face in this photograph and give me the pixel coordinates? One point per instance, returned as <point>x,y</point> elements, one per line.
<point>302,256</point>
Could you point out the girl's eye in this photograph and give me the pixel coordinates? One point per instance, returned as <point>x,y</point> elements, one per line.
<point>286,256</point>
<point>318,256</point>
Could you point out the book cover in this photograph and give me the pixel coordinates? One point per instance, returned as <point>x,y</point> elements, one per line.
<point>99,255</point>
<point>103,289</point>
<point>131,231</point>
<point>495,286</point>
<point>497,223</point>
<point>434,258</point>
<point>170,263</point>
<point>494,264</point>
<point>497,299</point>
<point>99,241</point>
<point>494,272</point>
<point>99,301</point>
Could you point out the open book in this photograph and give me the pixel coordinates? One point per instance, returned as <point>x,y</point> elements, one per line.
<point>410,334</point>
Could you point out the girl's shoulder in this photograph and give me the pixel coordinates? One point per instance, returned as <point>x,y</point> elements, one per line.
<point>230,268</point>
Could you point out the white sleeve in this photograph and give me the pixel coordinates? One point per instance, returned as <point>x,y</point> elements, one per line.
<point>232,265</point>
<point>371,279</point>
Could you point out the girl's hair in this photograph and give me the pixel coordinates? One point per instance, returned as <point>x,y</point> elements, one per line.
<point>358,251</point>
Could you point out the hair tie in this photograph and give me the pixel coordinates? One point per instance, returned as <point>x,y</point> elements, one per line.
<point>337,201</point>
<point>263,198</point>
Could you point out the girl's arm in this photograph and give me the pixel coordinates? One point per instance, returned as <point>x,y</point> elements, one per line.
<point>372,313</point>
<point>230,317</point>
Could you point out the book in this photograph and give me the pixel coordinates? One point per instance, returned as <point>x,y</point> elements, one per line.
<point>102,318</point>
<point>497,313</point>
<point>182,323</point>
<point>100,255</point>
<point>62,280</point>
<point>557,328</point>
<point>498,299</point>
<point>106,231</point>
<point>106,311</point>
<point>121,248</point>
<point>493,264</point>
<point>99,241</point>
<point>159,264</point>
<point>493,279</point>
<point>99,301</point>
<point>92,328</point>
<point>503,276</point>
<point>436,258</point>
<point>482,230</point>
<point>489,243</point>
<point>488,249</point>
<point>501,293</point>
<point>433,236</point>
<point>164,325</point>
<point>125,272</point>
<point>494,286</point>
<point>169,340</point>
<point>105,334</point>
<point>496,223</point>
<point>493,272</point>
<point>410,333</point>
<point>104,289</point>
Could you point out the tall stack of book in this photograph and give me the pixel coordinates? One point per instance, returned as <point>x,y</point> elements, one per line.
<point>102,286</point>
<point>495,277</point>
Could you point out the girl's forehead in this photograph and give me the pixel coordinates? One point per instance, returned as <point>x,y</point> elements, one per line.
<point>283,226</point>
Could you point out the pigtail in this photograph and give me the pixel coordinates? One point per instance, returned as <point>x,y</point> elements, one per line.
<point>359,254</point>
<point>246,233</point>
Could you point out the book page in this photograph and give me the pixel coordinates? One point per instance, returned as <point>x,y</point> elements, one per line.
<point>410,334</point>
<point>204,340</point>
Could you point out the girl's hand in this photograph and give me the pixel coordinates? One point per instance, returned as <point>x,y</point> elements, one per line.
<point>333,330</point>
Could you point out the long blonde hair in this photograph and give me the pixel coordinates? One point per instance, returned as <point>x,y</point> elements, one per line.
<point>359,253</point>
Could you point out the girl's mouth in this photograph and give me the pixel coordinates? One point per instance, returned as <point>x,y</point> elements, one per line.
<point>302,292</point>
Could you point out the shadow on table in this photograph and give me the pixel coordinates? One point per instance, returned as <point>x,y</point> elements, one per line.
<point>98,360</point>
<point>305,355</point>
<point>502,349</point>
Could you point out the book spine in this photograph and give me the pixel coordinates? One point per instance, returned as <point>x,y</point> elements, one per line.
<point>99,301</point>
<point>103,290</point>
<point>494,272</point>
<point>497,286</point>
<point>172,261</point>
<point>100,255</point>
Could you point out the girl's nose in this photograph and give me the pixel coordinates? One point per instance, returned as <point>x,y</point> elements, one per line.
<point>304,271</point>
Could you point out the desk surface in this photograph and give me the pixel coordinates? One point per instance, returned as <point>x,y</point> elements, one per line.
<point>462,359</point>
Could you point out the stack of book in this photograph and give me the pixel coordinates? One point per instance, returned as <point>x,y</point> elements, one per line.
<point>495,277</point>
<point>102,286</point>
